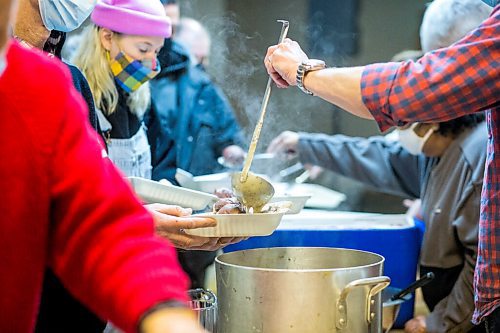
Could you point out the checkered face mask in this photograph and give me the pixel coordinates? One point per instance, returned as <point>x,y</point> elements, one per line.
<point>130,74</point>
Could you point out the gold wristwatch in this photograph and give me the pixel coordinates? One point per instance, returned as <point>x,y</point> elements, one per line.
<point>308,66</point>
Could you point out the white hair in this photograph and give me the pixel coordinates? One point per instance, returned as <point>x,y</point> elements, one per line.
<point>447,21</point>
<point>194,37</point>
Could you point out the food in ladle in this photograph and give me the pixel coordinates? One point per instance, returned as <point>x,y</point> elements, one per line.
<point>229,204</point>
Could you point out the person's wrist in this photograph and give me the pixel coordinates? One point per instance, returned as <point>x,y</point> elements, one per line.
<point>304,69</point>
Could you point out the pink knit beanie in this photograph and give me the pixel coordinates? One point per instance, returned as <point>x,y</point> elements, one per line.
<point>133,17</point>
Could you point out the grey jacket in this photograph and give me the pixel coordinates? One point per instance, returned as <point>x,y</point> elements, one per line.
<point>450,189</point>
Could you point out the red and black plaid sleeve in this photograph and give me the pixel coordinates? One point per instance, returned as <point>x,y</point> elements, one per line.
<point>442,85</point>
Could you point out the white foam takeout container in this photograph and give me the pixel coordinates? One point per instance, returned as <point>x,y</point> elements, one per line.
<point>154,192</point>
<point>298,202</point>
<point>320,196</point>
<point>239,225</point>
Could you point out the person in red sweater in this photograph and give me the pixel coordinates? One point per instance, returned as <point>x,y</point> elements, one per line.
<point>65,206</point>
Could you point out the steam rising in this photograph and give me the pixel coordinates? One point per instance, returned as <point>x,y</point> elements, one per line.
<point>236,65</point>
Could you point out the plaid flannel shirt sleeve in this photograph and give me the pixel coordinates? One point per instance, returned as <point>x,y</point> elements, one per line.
<point>442,85</point>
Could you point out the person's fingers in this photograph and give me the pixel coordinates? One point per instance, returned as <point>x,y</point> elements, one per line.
<point>234,240</point>
<point>278,80</point>
<point>413,326</point>
<point>290,141</point>
<point>224,241</point>
<point>267,59</point>
<point>408,328</point>
<point>286,144</point>
<point>210,245</point>
<point>269,66</point>
<point>270,51</point>
<point>184,241</point>
<point>195,222</point>
<point>218,243</point>
<point>172,223</point>
<point>170,209</point>
<point>212,242</point>
<point>409,324</point>
<point>285,46</point>
<point>315,171</point>
<point>204,244</point>
<point>276,145</point>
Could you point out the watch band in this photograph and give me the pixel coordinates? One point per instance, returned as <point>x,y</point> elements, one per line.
<point>307,66</point>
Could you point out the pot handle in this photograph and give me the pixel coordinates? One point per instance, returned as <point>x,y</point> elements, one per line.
<point>377,285</point>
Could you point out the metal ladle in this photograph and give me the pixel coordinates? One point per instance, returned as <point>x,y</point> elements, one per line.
<point>251,190</point>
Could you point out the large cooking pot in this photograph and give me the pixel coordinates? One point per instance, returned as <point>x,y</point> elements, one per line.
<point>300,290</point>
<point>390,308</point>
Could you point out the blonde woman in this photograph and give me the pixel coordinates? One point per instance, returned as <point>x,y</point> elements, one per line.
<point>118,56</point>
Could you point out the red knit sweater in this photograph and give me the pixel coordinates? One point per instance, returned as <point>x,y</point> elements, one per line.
<point>63,205</point>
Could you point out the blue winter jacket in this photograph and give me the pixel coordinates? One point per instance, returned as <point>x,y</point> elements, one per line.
<point>190,122</point>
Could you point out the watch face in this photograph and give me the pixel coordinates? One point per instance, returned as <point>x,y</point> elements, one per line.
<point>307,66</point>
<point>315,64</point>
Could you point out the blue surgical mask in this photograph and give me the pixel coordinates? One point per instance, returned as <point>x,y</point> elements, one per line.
<point>3,63</point>
<point>491,3</point>
<point>65,15</point>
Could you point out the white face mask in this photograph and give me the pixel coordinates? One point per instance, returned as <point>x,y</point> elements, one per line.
<point>65,15</point>
<point>411,141</point>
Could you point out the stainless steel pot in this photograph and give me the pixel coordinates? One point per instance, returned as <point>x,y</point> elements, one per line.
<point>306,290</point>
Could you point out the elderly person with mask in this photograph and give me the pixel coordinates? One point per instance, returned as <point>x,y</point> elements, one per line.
<point>443,84</point>
<point>43,24</point>
<point>441,163</point>
<point>109,258</point>
<point>33,28</point>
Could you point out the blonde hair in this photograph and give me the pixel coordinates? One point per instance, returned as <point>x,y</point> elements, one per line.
<point>92,59</point>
